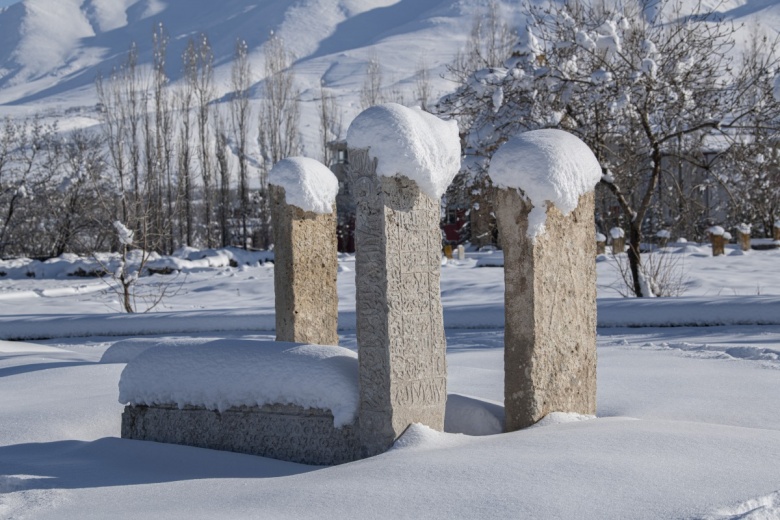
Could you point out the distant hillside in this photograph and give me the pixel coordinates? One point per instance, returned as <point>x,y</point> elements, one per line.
<point>52,50</point>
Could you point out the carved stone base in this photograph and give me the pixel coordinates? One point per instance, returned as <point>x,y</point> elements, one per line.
<point>284,432</point>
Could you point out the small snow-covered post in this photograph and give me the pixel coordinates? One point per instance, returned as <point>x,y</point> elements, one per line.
<point>401,162</point>
<point>305,255</point>
<point>743,236</point>
<point>777,231</point>
<point>545,212</point>
<point>718,240</point>
<point>601,243</point>
<point>618,240</point>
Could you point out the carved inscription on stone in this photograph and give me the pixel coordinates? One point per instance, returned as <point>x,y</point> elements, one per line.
<point>400,331</point>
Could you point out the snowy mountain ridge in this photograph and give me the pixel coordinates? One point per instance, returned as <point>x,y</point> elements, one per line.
<point>51,51</point>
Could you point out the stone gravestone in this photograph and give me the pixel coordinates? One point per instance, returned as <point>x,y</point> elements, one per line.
<point>305,256</point>
<point>400,328</point>
<point>743,236</point>
<point>545,211</point>
<point>717,240</point>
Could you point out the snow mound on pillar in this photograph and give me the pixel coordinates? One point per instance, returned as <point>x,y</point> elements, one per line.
<point>548,166</point>
<point>410,142</point>
<point>227,373</point>
<point>308,184</point>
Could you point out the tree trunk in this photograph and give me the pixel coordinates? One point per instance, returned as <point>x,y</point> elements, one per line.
<point>634,257</point>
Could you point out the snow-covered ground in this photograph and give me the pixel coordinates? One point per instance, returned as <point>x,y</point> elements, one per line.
<point>688,423</point>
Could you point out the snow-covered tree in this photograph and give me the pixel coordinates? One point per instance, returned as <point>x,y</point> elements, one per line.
<point>644,84</point>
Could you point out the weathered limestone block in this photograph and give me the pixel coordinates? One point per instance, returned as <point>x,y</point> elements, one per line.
<point>400,328</point>
<point>601,244</point>
<point>618,245</point>
<point>743,239</point>
<point>776,229</point>
<point>305,270</point>
<point>550,305</point>
<point>284,432</point>
<point>718,243</point>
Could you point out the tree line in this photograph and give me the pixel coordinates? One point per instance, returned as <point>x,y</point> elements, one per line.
<point>171,162</point>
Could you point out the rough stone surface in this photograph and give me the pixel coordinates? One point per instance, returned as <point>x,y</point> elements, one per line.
<point>743,239</point>
<point>718,244</point>
<point>400,328</point>
<point>618,245</point>
<point>282,432</point>
<point>550,306</point>
<point>305,270</point>
<point>601,247</point>
<point>777,232</point>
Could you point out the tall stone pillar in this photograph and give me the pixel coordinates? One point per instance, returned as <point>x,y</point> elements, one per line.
<point>550,306</point>
<point>400,328</point>
<point>305,269</point>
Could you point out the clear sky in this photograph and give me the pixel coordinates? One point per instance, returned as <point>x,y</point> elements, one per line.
<point>4,3</point>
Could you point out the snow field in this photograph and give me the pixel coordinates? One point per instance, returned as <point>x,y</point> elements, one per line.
<point>687,423</point>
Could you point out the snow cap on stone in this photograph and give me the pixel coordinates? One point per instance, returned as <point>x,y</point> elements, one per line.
<point>600,237</point>
<point>744,228</point>
<point>308,184</point>
<point>663,233</point>
<point>617,232</point>
<point>227,373</point>
<point>410,142</point>
<point>549,166</point>
<point>716,230</point>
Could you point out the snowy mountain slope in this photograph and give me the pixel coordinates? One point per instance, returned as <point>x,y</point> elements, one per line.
<point>52,50</point>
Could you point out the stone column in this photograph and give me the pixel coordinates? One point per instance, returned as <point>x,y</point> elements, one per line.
<point>601,244</point>
<point>743,239</point>
<point>400,327</point>
<point>305,267</point>
<point>550,306</point>
<point>776,230</point>
<point>618,241</point>
<point>718,244</point>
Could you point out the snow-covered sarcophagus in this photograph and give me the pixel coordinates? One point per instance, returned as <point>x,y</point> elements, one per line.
<point>401,161</point>
<point>282,400</point>
<point>545,208</point>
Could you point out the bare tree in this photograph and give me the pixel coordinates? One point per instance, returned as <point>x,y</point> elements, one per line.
<point>279,117</point>
<point>73,202</point>
<point>371,92</point>
<point>330,123</point>
<point>204,91</point>
<point>423,92</point>
<point>184,102</point>
<point>240,115</point>
<point>222,155</point>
